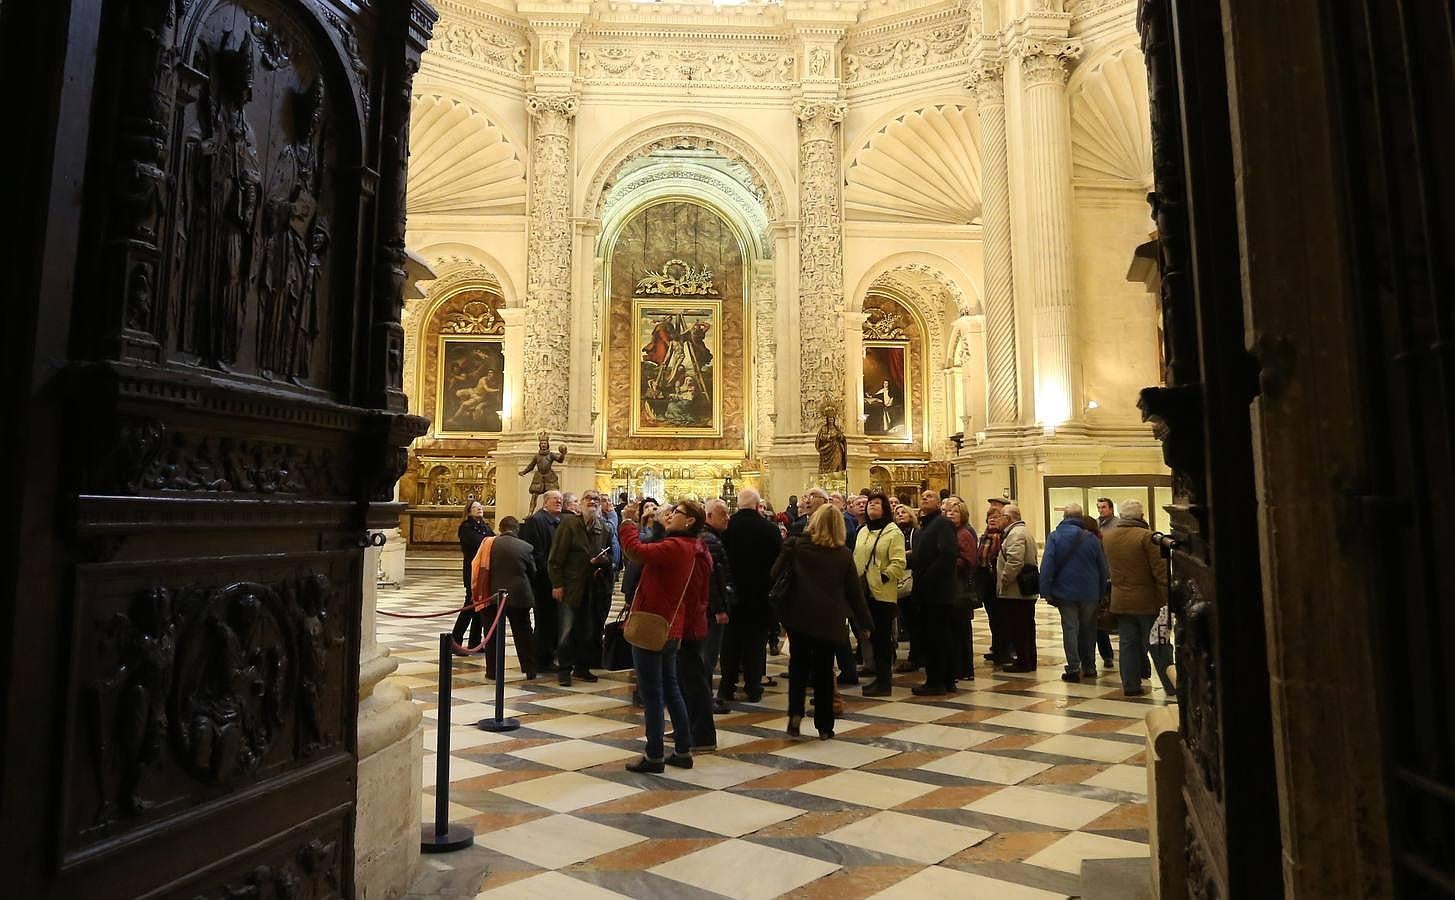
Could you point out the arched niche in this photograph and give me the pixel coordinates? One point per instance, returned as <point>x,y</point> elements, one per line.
<point>461,361</point>
<point>676,257</point>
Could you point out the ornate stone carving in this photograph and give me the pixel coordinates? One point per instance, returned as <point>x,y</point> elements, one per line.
<point>821,264</point>
<point>311,874</point>
<point>547,361</point>
<point>474,317</point>
<point>1044,61</point>
<point>677,279</point>
<point>758,67</point>
<point>885,321</point>
<point>493,49</point>
<point>763,302</point>
<point>905,54</point>
<point>734,190</point>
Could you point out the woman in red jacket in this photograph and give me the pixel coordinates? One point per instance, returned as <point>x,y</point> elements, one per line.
<point>675,572</point>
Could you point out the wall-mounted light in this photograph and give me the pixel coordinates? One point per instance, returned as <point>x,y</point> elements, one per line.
<point>1092,404</point>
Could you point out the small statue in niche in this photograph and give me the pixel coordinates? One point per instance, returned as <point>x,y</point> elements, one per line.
<point>543,464</point>
<point>833,448</point>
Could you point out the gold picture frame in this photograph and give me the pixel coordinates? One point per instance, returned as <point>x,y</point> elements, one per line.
<point>676,388</point>
<point>887,403</point>
<point>470,386</point>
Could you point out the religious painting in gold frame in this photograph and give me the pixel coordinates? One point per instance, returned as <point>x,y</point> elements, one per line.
<point>888,407</point>
<point>676,386</point>
<point>471,399</point>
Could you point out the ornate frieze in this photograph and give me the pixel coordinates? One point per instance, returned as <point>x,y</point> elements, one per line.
<point>547,361</point>
<point>890,56</point>
<point>678,64</point>
<point>503,51</point>
<point>763,302</point>
<point>749,162</point>
<point>821,257</point>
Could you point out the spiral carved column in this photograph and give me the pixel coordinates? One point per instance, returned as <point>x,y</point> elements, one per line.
<point>1049,222</point>
<point>547,351</point>
<point>987,81</point>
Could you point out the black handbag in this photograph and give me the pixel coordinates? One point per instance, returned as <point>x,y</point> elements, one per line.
<point>616,653</point>
<point>780,594</point>
<point>1028,579</point>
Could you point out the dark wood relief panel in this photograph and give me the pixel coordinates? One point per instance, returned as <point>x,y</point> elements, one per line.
<point>701,238</point>
<point>202,676</point>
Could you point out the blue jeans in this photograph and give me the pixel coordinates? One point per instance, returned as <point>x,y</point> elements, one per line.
<point>657,682</point>
<point>1135,632</point>
<point>1078,631</point>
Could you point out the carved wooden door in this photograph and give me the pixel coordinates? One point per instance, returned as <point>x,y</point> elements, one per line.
<point>208,359</point>
<point>1202,418</point>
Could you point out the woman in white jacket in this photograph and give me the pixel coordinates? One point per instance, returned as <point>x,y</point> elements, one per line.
<point>879,558</point>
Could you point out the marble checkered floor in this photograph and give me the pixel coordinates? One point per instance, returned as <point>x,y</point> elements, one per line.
<point>1000,792</point>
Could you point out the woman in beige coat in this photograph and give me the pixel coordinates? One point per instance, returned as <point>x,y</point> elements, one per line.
<point>1138,590</point>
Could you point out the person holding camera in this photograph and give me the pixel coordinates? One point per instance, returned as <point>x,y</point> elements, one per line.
<point>580,549</point>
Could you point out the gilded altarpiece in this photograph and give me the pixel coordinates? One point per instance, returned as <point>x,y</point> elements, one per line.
<point>676,266</point>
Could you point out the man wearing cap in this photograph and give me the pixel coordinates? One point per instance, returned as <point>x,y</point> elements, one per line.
<point>989,550</point>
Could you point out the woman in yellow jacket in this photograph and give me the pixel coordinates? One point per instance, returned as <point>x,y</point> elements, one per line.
<point>879,558</point>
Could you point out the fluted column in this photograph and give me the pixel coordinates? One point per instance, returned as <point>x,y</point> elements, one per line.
<point>1048,208</point>
<point>821,259</point>
<point>987,81</point>
<point>547,351</point>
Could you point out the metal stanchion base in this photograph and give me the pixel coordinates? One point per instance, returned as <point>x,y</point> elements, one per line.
<point>458,837</point>
<point>498,725</point>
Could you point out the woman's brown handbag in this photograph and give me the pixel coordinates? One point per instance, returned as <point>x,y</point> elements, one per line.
<point>649,631</point>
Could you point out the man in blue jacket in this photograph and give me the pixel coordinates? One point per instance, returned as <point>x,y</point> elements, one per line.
<point>1073,570</point>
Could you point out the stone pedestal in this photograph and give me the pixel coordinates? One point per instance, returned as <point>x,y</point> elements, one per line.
<point>391,557</point>
<point>1168,830</point>
<point>386,831</point>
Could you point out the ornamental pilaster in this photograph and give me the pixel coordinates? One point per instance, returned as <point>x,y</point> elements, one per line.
<point>987,83</point>
<point>763,301</point>
<point>1044,64</point>
<point>821,259</point>
<point>547,345</point>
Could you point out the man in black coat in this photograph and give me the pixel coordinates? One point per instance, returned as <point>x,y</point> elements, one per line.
<point>539,530</point>
<point>936,548</point>
<point>752,544</point>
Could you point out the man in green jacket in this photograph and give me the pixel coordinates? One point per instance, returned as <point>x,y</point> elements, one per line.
<point>580,550</point>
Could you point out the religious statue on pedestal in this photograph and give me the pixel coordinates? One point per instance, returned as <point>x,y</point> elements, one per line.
<point>833,448</point>
<point>546,477</point>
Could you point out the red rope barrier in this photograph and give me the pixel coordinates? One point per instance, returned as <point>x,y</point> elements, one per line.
<point>448,612</point>
<point>501,596</point>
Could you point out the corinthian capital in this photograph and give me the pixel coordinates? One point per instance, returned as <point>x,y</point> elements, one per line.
<point>987,79</point>
<point>817,118</point>
<point>1044,61</point>
<point>552,112</point>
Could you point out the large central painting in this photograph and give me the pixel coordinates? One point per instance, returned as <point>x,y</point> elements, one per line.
<point>675,386</point>
<point>677,357</point>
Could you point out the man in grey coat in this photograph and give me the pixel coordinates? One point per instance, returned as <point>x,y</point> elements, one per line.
<point>512,566</point>
<point>1017,550</point>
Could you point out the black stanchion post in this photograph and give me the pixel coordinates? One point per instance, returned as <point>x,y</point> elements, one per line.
<point>442,837</point>
<point>499,723</point>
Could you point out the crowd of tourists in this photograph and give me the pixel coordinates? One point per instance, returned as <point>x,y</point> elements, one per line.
<point>863,587</point>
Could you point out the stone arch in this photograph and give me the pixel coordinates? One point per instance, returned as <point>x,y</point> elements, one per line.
<point>457,273</point>
<point>454,256</point>
<point>930,288</point>
<point>765,181</point>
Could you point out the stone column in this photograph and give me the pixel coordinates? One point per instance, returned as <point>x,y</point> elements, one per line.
<point>987,82</point>
<point>386,830</point>
<point>1048,210</point>
<point>546,354</point>
<point>821,259</point>
<point>853,418</point>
